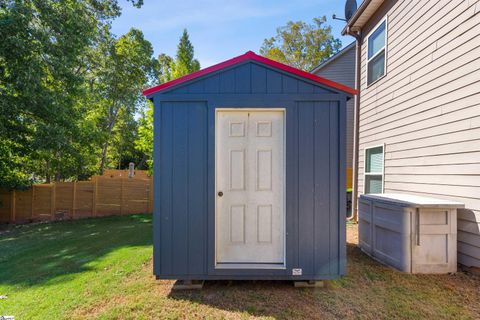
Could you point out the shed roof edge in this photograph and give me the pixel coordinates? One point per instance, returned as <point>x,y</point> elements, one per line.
<point>254,57</point>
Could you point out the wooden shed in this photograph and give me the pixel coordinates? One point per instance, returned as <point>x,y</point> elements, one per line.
<point>249,173</point>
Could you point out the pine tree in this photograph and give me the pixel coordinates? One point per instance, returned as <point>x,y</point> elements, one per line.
<point>185,62</point>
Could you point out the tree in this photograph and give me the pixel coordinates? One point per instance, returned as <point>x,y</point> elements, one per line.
<point>185,62</point>
<point>302,45</point>
<point>144,142</point>
<point>165,64</point>
<point>43,43</point>
<point>124,135</point>
<point>44,74</point>
<point>168,69</point>
<point>126,69</point>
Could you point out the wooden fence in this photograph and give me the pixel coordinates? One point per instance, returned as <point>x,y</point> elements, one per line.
<point>111,194</point>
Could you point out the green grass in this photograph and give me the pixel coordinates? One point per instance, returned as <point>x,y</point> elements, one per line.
<point>48,270</point>
<point>102,269</point>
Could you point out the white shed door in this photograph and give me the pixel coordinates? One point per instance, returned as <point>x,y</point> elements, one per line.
<point>250,182</point>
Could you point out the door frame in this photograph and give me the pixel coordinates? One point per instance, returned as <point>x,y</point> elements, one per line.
<point>284,204</point>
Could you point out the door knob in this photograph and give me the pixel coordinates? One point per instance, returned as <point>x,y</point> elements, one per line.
<point>220,193</point>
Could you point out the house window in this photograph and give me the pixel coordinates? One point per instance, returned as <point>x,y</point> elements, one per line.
<point>374,170</point>
<point>376,57</point>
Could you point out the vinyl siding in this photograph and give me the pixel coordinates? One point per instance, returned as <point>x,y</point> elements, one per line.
<point>342,70</point>
<point>426,110</point>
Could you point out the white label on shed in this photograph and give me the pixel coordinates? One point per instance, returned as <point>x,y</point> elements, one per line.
<point>296,272</point>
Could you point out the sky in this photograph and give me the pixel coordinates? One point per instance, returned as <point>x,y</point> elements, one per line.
<point>220,30</point>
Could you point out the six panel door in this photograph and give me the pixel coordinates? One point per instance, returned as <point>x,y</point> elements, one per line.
<point>250,183</point>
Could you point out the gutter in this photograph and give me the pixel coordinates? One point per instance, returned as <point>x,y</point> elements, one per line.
<point>356,122</point>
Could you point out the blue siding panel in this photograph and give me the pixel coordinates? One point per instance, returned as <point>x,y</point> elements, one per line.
<point>318,89</point>
<point>210,244</point>
<point>165,166</point>
<point>305,87</point>
<point>292,169</point>
<point>258,79</point>
<point>322,186</point>
<point>227,81</point>
<point>290,84</point>
<point>335,191</point>
<point>274,82</point>
<point>180,190</point>
<point>212,84</point>
<point>342,202</point>
<point>181,90</point>
<point>197,87</point>
<point>197,187</point>
<point>242,79</point>
<point>183,203</point>
<point>157,204</point>
<point>306,209</point>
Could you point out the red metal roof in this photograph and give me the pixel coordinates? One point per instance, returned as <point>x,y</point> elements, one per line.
<point>250,56</point>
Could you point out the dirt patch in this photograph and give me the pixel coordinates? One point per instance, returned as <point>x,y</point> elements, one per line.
<point>352,233</point>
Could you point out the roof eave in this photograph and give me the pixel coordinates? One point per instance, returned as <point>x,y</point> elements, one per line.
<point>366,10</point>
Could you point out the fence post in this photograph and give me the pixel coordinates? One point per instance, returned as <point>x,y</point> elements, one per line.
<point>12,207</point>
<point>74,198</point>
<point>33,201</point>
<point>52,201</point>
<point>121,196</point>
<point>94,202</point>
<point>150,195</point>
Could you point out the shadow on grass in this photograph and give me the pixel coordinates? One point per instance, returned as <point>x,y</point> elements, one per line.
<point>370,290</point>
<point>277,299</point>
<point>35,254</point>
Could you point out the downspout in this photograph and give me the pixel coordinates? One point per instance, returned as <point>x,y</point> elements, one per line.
<point>356,123</point>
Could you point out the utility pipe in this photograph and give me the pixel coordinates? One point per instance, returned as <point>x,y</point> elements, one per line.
<point>356,122</point>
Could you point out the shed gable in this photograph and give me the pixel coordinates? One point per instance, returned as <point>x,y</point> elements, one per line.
<point>248,78</point>
<point>245,79</point>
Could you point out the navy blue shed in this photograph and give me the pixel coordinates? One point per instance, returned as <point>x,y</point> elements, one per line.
<point>249,173</point>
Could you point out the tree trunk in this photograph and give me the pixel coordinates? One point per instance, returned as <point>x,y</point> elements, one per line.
<point>113,118</point>
<point>47,171</point>
<point>104,157</point>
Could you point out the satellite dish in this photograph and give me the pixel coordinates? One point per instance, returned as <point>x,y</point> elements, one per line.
<point>350,8</point>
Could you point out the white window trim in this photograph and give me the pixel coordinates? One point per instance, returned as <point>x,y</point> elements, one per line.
<point>365,173</point>
<point>376,54</point>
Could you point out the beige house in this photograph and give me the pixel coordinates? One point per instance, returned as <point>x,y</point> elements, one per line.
<point>418,113</point>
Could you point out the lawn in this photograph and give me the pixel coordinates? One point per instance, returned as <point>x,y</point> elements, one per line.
<point>102,268</point>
